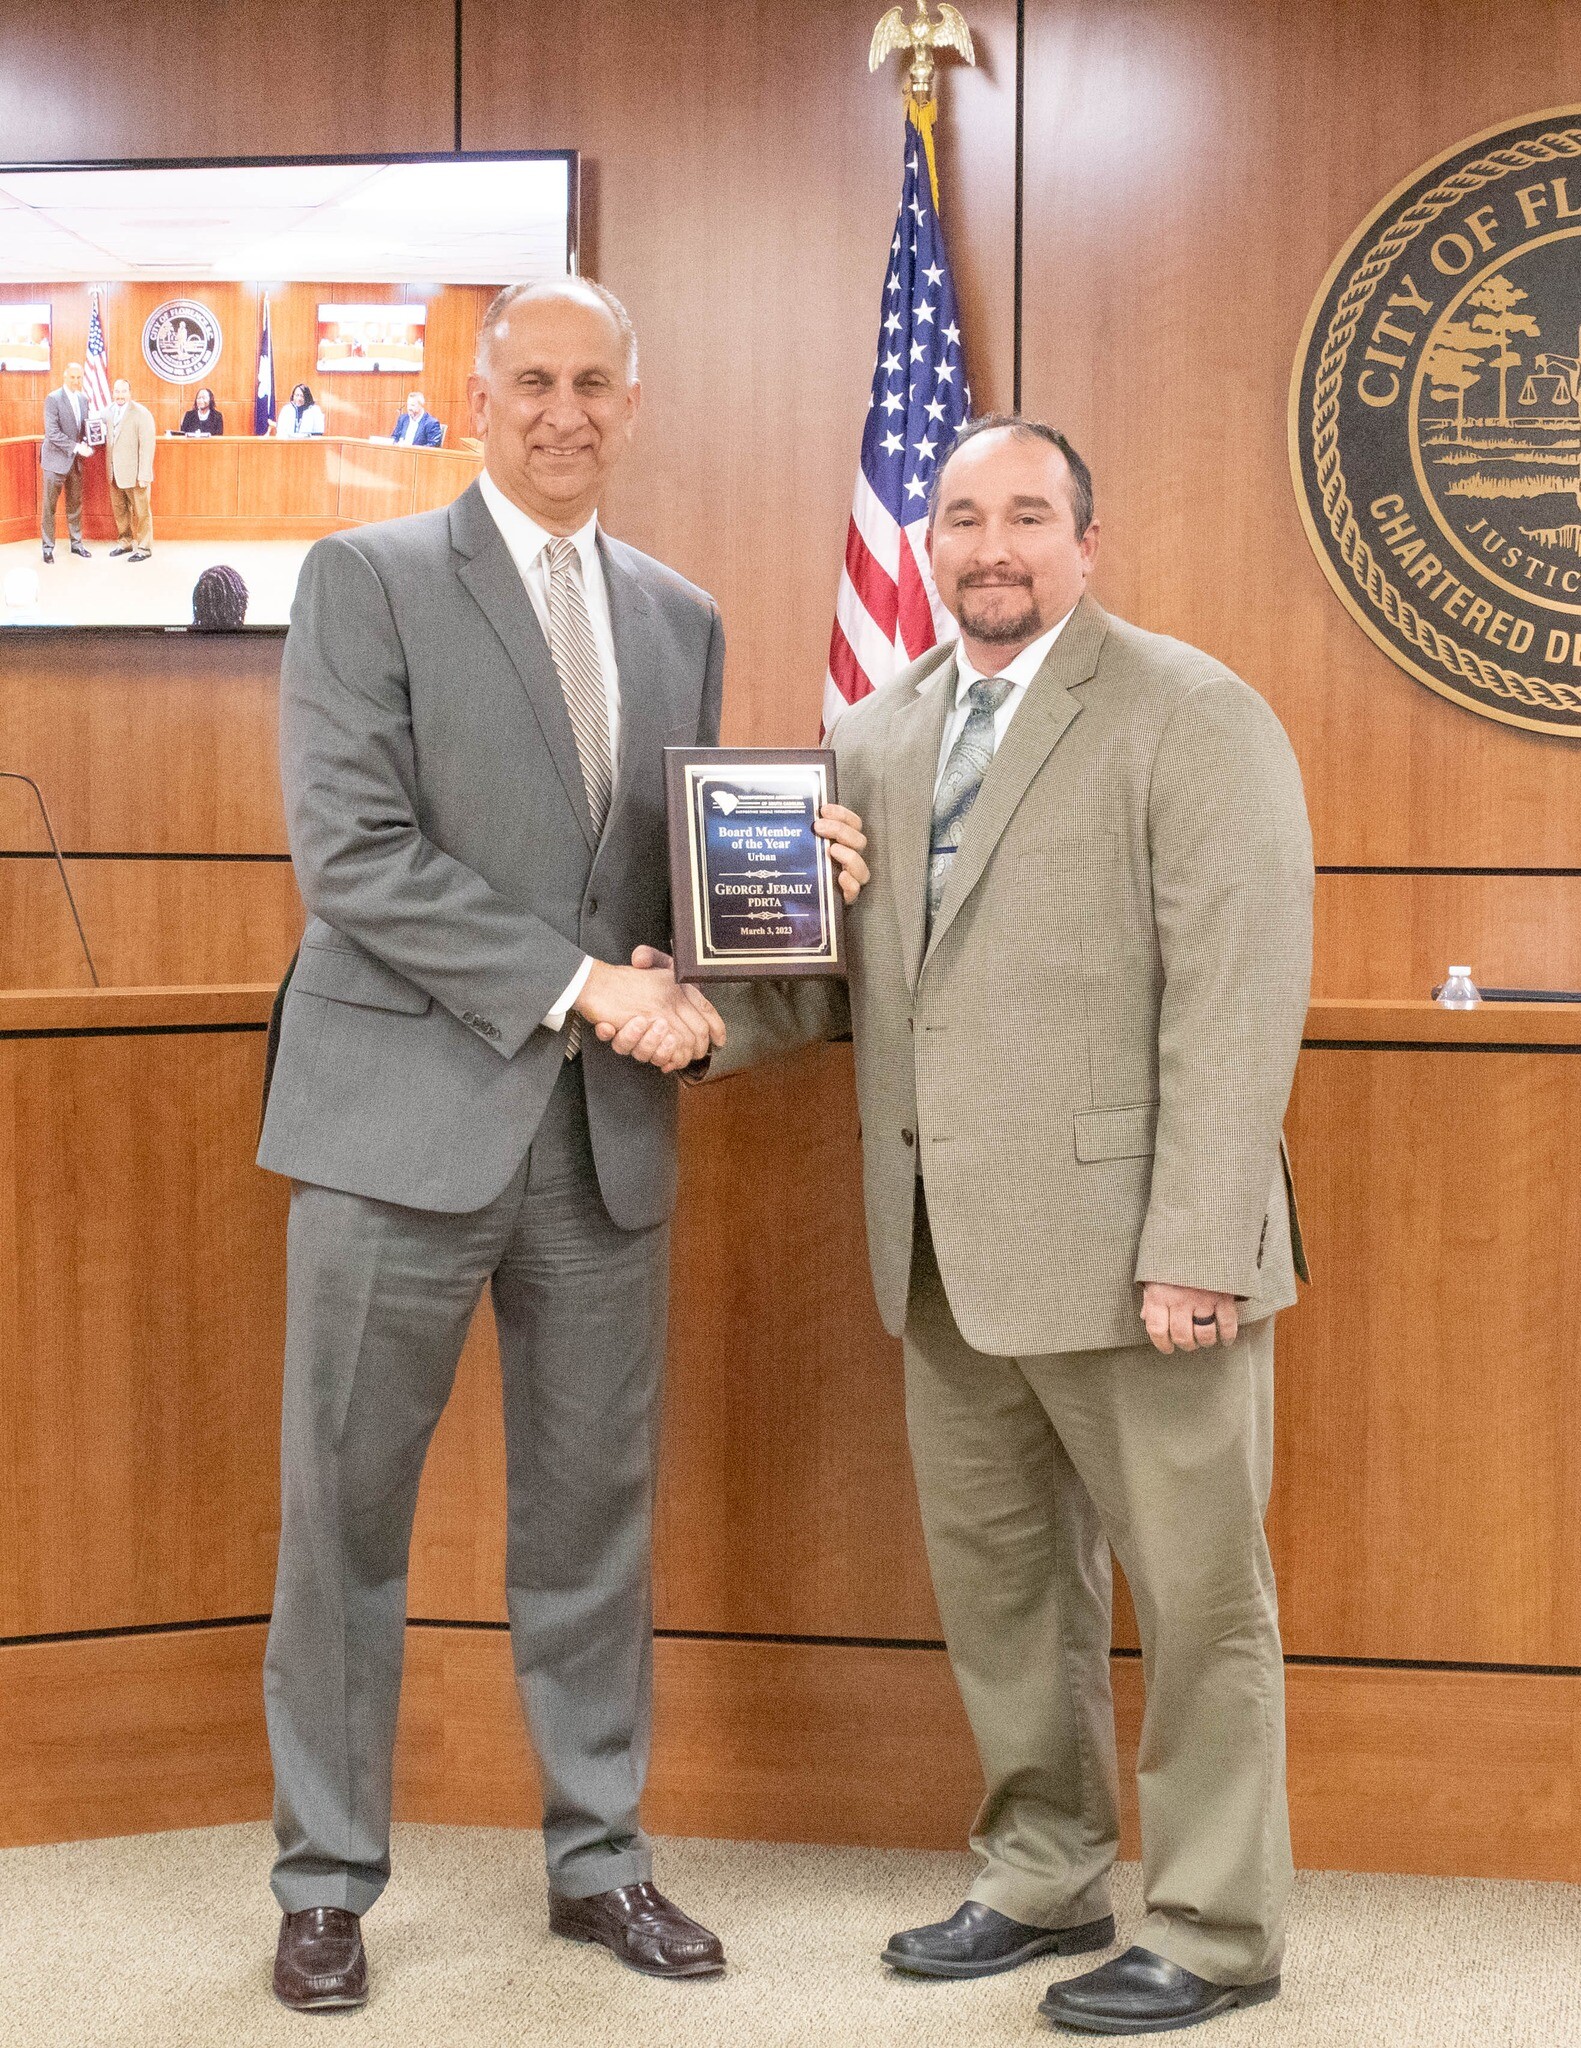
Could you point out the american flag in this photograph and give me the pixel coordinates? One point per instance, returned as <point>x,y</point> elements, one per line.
<point>96,370</point>
<point>888,612</point>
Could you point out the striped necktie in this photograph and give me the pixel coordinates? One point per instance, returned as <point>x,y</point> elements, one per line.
<point>962,778</point>
<point>574,652</point>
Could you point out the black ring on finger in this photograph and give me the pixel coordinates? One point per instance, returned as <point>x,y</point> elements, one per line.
<point>1202,1322</point>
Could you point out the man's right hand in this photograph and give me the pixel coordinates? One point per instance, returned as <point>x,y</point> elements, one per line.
<point>652,1018</point>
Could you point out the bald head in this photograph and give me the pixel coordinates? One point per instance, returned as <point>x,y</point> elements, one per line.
<point>579,291</point>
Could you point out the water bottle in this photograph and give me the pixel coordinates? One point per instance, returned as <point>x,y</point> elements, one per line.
<point>1459,992</point>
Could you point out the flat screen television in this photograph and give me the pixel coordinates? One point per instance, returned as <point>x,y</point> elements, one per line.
<point>282,348</point>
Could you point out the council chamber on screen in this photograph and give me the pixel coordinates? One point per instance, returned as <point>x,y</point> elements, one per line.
<point>204,369</point>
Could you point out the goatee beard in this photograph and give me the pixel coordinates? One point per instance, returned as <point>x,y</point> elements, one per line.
<point>1003,632</point>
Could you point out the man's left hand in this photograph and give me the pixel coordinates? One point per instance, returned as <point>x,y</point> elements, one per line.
<point>1187,1318</point>
<point>843,830</point>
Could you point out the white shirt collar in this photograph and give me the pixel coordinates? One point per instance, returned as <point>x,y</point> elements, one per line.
<point>1020,671</point>
<point>526,539</point>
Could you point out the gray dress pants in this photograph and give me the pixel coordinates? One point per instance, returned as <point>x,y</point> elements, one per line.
<point>378,1303</point>
<point>71,484</point>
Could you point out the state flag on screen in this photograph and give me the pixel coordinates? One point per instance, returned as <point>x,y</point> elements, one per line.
<point>263,404</point>
<point>96,366</point>
<point>888,611</point>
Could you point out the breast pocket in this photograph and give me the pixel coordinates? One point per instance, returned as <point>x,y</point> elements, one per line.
<point>342,974</point>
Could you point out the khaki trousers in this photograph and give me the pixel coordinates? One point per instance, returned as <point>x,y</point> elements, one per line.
<point>134,519</point>
<point>1029,1470</point>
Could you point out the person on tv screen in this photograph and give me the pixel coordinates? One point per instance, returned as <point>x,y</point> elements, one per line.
<point>301,417</point>
<point>203,416</point>
<point>65,450</point>
<point>219,600</point>
<point>417,427</point>
<point>130,434</point>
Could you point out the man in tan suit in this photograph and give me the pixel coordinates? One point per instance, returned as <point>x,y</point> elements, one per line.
<point>129,437</point>
<point>1077,986</point>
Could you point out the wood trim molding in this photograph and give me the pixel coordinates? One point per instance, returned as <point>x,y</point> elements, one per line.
<point>1441,1772</point>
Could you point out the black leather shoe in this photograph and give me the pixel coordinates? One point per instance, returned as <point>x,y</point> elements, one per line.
<point>139,554</point>
<point>49,552</point>
<point>320,1965</point>
<point>124,549</point>
<point>978,1942</point>
<point>637,1923</point>
<point>77,548</point>
<point>1140,1993</point>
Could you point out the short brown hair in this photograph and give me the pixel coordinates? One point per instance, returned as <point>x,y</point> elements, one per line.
<point>1027,430</point>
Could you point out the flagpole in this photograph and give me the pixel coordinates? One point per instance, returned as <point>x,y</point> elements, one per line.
<point>886,608</point>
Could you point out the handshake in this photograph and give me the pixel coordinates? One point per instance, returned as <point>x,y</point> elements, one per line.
<point>645,1014</point>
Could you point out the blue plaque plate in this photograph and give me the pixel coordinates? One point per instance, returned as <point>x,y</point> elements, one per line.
<point>753,886</point>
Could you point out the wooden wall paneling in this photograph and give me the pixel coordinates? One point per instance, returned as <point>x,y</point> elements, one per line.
<point>19,489</point>
<point>196,480</point>
<point>1395,935</point>
<point>1449,1773</point>
<point>149,924</point>
<point>139,78</point>
<point>142,742</point>
<point>286,485</point>
<point>1428,1418</point>
<point>360,403</point>
<point>1192,168</point>
<point>129,1734</point>
<point>786,1503</point>
<point>376,483</point>
<point>140,1373</point>
<point>743,171</point>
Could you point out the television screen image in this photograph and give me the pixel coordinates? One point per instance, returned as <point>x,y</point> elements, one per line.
<point>204,368</point>
<point>24,338</point>
<point>371,338</point>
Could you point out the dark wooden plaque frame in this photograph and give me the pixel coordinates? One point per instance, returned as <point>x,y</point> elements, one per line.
<point>692,960</point>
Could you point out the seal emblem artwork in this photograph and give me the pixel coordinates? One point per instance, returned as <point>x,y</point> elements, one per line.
<point>1435,424</point>
<point>181,341</point>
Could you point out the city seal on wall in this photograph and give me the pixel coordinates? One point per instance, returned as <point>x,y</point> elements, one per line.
<point>1435,424</point>
<point>181,341</point>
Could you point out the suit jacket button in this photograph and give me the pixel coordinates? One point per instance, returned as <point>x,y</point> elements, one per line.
<point>592,906</point>
<point>908,1138</point>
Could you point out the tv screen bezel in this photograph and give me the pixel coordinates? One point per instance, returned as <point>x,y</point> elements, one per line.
<point>571,158</point>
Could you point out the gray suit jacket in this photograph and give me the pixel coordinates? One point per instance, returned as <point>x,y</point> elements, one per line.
<point>61,433</point>
<point>1089,1056</point>
<point>441,839</point>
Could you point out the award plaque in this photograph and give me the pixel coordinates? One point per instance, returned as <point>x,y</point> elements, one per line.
<point>753,886</point>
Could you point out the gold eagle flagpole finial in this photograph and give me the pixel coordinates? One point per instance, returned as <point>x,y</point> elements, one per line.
<point>921,38</point>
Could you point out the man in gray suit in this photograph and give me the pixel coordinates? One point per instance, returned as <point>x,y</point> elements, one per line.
<point>65,450</point>
<point>474,704</point>
<point>1078,981</point>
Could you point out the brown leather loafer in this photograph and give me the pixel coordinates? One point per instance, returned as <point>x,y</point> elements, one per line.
<point>319,1965</point>
<point>640,1926</point>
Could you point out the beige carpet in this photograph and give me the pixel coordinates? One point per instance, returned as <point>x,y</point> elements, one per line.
<point>161,1941</point>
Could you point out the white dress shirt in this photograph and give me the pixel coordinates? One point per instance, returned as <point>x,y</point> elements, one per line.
<point>1018,672</point>
<point>290,425</point>
<point>527,541</point>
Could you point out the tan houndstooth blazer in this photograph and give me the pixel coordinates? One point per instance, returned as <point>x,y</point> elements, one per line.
<point>1089,1059</point>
